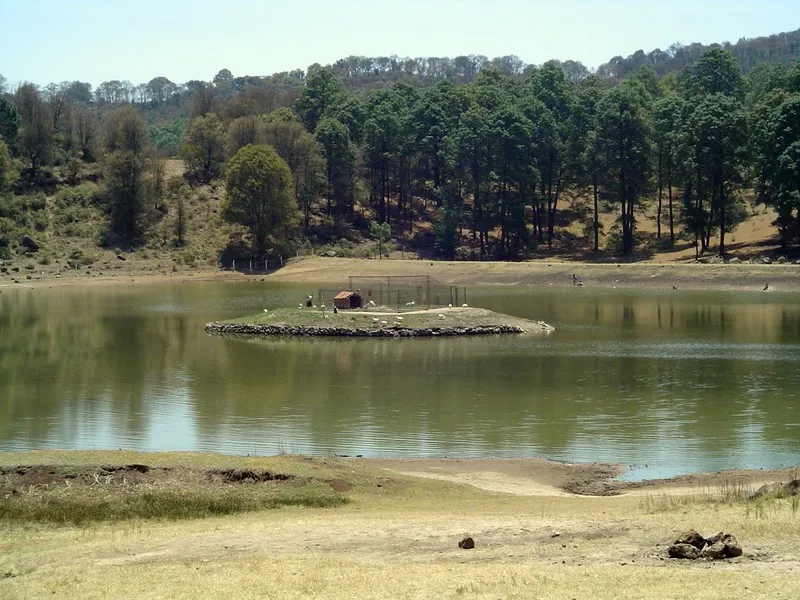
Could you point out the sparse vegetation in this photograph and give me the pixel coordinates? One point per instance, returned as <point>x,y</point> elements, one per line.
<point>75,495</point>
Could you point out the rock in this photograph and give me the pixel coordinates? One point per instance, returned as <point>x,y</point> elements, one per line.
<point>734,261</point>
<point>467,543</point>
<point>765,260</point>
<point>797,262</point>
<point>792,488</point>
<point>732,547</point>
<point>768,489</point>
<point>781,260</point>
<point>693,538</point>
<point>683,551</point>
<point>120,257</point>
<point>29,244</point>
<point>715,551</point>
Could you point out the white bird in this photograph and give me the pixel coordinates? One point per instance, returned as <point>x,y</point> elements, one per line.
<point>299,306</point>
<point>464,305</point>
<point>322,307</point>
<point>371,303</point>
<point>449,306</point>
<point>441,316</point>
<point>375,319</point>
<point>266,310</point>
<point>384,323</point>
<point>399,318</point>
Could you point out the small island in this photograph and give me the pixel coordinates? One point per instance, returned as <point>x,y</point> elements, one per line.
<point>376,322</point>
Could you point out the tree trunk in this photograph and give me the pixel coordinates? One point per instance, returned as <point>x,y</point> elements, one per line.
<point>596,216</point>
<point>669,193</point>
<point>722,222</point>
<point>660,193</point>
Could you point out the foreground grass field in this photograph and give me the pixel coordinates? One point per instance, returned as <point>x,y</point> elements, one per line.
<point>396,537</point>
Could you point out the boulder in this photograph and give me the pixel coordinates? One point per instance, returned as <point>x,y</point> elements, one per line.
<point>768,489</point>
<point>734,261</point>
<point>766,260</point>
<point>715,551</point>
<point>28,243</point>
<point>467,543</point>
<point>777,490</point>
<point>683,551</point>
<point>120,257</point>
<point>781,260</point>
<point>732,547</point>
<point>692,538</point>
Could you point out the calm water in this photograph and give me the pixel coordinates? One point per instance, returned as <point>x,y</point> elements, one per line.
<point>666,382</point>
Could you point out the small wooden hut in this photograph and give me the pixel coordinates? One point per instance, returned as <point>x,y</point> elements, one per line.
<point>347,299</point>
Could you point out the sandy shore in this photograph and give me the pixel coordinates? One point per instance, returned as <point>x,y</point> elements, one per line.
<point>541,477</point>
<point>639,275</point>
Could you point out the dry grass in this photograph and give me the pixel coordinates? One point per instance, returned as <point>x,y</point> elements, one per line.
<point>384,317</point>
<point>399,540</point>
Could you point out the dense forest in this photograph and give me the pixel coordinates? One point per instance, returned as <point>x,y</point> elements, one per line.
<point>456,158</point>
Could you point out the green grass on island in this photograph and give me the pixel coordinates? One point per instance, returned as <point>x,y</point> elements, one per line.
<point>386,317</point>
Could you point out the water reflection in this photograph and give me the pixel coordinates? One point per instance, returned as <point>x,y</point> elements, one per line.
<point>679,382</point>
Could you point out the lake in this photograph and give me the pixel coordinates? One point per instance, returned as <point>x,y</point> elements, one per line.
<point>667,382</point>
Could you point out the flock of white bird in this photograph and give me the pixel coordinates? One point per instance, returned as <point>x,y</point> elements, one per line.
<point>398,320</point>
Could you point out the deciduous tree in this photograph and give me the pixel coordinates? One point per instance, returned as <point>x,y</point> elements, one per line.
<point>259,196</point>
<point>203,147</point>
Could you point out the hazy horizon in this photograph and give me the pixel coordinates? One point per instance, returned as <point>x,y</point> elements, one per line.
<point>94,41</point>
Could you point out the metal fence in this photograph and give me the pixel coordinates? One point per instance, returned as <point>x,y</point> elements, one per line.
<point>400,292</point>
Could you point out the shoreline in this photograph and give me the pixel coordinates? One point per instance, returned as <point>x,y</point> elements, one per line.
<point>514,476</point>
<point>383,521</point>
<point>539,272</point>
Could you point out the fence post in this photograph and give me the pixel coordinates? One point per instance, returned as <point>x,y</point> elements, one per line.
<point>281,260</point>
<point>234,265</point>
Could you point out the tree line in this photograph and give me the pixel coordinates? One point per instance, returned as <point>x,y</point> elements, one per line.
<point>490,164</point>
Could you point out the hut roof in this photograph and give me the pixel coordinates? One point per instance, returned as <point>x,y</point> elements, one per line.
<point>343,295</point>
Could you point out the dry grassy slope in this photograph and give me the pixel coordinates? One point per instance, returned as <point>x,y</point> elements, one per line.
<point>71,241</point>
<point>207,234</point>
<point>753,237</point>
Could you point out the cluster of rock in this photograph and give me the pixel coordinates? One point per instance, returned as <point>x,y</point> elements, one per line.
<point>250,329</point>
<point>692,545</point>
<point>761,260</point>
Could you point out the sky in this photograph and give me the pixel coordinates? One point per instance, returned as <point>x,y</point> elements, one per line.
<point>98,40</point>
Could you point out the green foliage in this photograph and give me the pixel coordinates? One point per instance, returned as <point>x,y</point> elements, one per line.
<point>624,142</point>
<point>321,92</point>
<point>715,73</point>
<point>9,121</point>
<point>35,138</point>
<point>334,140</point>
<point>259,196</point>
<point>380,232</point>
<point>125,167</point>
<point>8,174</point>
<point>203,148</point>
<point>168,137</point>
<point>778,166</point>
<point>447,236</point>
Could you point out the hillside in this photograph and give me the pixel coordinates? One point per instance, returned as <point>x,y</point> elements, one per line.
<point>777,49</point>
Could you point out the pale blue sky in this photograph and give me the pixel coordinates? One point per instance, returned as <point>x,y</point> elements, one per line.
<point>98,40</point>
